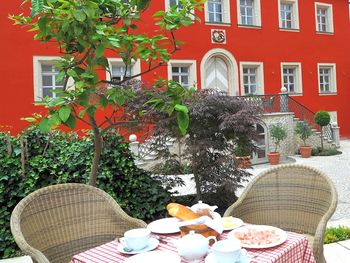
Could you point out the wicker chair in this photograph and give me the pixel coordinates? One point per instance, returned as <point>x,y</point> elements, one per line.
<point>293,197</point>
<point>56,222</point>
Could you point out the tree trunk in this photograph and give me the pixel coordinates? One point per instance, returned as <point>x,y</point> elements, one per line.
<point>97,151</point>
<point>322,138</point>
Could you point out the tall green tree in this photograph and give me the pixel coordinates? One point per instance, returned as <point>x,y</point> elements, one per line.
<point>83,30</point>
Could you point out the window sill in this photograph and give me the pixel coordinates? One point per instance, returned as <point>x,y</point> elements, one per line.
<point>324,33</point>
<point>295,30</point>
<point>295,94</point>
<point>249,26</point>
<point>328,94</point>
<point>208,23</point>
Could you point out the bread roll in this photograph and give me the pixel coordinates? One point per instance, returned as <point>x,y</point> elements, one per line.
<point>181,212</point>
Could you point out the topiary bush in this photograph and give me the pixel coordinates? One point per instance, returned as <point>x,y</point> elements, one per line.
<point>322,118</point>
<point>59,157</point>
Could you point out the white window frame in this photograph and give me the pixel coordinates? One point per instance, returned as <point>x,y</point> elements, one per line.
<point>298,76</point>
<point>295,14</point>
<point>37,77</point>
<point>259,76</point>
<point>333,81</point>
<point>167,4</point>
<point>191,64</point>
<point>226,13</point>
<point>329,8</point>
<point>256,16</point>
<point>135,68</point>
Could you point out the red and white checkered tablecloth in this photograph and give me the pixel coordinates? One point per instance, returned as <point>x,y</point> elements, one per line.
<point>295,250</point>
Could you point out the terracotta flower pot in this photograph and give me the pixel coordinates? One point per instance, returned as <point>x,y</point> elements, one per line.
<point>274,158</point>
<point>305,151</point>
<point>244,161</point>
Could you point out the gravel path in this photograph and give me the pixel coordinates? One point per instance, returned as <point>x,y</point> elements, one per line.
<point>337,168</point>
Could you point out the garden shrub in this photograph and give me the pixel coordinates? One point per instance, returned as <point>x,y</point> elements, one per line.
<point>335,234</point>
<point>326,152</point>
<point>59,157</point>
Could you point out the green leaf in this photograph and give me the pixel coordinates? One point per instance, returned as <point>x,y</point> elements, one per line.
<point>71,122</point>
<point>64,113</point>
<point>181,108</point>
<point>183,121</point>
<point>72,73</point>
<point>91,111</point>
<point>100,50</point>
<point>37,7</point>
<point>79,15</point>
<point>44,125</point>
<point>29,119</point>
<point>103,101</point>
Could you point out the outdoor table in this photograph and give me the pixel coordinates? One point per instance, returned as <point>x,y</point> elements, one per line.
<point>296,249</point>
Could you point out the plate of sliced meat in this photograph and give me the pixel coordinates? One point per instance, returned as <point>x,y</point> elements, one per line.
<point>259,236</point>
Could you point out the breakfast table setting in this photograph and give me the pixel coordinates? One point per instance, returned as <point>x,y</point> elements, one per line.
<point>199,234</point>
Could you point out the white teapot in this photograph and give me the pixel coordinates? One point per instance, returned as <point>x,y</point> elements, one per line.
<point>193,247</point>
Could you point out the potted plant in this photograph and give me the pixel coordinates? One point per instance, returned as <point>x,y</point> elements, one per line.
<point>304,131</point>
<point>278,133</point>
<point>243,156</point>
<point>242,153</point>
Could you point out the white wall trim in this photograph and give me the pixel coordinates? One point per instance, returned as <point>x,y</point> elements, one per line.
<point>295,22</point>
<point>232,69</point>
<point>37,80</point>
<point>226,13</point>
<point>299,75</point>
<point>136,67</point>
<point>192,64</point>
<point>257,13</point>
<point>330,17</point>
<point>260,76</point>
<point>333,87</point>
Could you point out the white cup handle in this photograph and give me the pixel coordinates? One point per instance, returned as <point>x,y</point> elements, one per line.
<point>123,241</point>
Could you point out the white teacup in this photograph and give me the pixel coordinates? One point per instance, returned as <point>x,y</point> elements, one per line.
<point>136,239</point>
<point>227,251</point>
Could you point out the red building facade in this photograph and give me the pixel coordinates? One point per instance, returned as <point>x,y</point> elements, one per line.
<point>241,47</point>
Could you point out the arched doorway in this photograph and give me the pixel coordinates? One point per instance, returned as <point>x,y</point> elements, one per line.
<point>216,75</point>
<point>219,71</point>
<point>262,145</point>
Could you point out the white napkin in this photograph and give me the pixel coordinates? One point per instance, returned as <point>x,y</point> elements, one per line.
<point>215,224</point>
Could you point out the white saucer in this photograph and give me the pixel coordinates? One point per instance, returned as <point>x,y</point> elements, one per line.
<point>168,225</point>
<point>152,244</point>
<point>245,258</point>
<point>155,257</point>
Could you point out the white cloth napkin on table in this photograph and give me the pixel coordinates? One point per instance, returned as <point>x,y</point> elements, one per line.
<point>215,223</point>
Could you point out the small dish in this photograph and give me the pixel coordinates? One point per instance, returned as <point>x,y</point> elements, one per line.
<point>155,257</point>
<point>152,244</point>
<point>231,223</point>
<point>245,258</point>
<point>165,226</point>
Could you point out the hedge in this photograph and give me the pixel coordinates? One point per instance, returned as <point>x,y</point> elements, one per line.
<point>60,157</point>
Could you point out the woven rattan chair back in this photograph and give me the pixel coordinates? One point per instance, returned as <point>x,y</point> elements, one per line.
<point>293,197</point>
<point>56,222</point>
